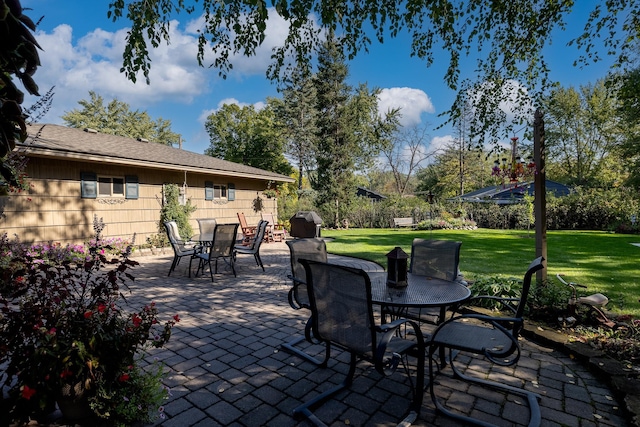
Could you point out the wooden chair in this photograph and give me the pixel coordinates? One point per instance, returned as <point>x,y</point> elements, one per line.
<point>248,232</point>
<point>275,232</point>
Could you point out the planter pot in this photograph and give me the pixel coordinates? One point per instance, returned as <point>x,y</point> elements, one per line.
<point>73,402</point>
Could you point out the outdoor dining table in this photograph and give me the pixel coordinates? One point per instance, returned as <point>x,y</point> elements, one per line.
<point>421,292</point>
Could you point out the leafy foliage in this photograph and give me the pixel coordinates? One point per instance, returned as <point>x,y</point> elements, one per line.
<point>247,136</point>
<point>503,40</point>
<point>172,210</point>
<point>65,322</point>
<point>116,118</point>
<point>18,58</point>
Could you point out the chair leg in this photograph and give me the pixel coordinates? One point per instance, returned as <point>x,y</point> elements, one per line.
<point>305,409</point>
<point>258,260</point>
<point>291,347</point>
<point>532,398</point>
<point>173,264</point>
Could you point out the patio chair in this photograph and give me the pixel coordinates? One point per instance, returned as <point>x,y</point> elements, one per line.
<point>181,247</point>
<point>275,232</point>
<point>248,232</point>
<point>343,316</point>
<point>224,239</point>
<point>438,259</point>
<point>496,338</point>
<point>311,249</point>
<point>206,225</point>
<point>254,247</point>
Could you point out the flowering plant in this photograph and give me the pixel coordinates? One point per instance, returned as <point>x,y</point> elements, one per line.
<point>65,324</point>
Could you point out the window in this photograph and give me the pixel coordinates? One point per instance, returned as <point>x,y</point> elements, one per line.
<point>110,186</point>
<point>218,191</point>
<point>93,186</point>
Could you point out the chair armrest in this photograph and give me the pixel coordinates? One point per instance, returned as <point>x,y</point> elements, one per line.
<point>497,357</point>
<point>388,365</point>
<point>293,301</point>
<point>502,300</point>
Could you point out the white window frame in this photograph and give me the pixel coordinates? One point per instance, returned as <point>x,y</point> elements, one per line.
<point>220,192</point>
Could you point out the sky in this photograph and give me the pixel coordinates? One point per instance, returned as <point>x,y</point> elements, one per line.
<point>82,52</point>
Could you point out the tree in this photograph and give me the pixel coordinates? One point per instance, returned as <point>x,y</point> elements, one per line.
<point>627,86</point>
<point>583,135</point>
<point>248,136</point>
<point>297,112</point>
<point>404,153</point>
<point>116,118</point>
<point>442,176</point>
<point>18,57</point>
<point>336,142</point>
<point>505,38</point>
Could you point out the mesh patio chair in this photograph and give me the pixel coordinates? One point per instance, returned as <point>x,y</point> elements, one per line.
<point>206,225</point>
<point>311,249</point>
<point>438,259</point>
<point>181,247</point>
<point>254,247</point>
<point>496,338</point>
<point>224,239</point>
<point>342,316</point>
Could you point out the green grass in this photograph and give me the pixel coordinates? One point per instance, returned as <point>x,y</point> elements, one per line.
<point>605,262</point>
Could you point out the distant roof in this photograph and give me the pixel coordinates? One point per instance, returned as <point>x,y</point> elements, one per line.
<point>87,145</point>
<point>365,192</point>
<point>510,193</point>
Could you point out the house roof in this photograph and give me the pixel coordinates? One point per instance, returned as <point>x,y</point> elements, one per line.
<point>55,141</point>
<point>365,192</point>
<point>509,194</point>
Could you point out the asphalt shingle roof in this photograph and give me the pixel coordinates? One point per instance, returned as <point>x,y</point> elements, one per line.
<point>57,141</point>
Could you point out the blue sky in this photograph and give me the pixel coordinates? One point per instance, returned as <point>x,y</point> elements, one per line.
<point>82,51</point>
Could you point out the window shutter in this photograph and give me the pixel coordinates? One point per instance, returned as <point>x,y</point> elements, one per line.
<point>131,187</point>
<point>208,190</point>
<point>231,191</point>
<point>88,185</point>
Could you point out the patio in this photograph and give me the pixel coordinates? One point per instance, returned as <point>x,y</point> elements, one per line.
<point>227,368</point>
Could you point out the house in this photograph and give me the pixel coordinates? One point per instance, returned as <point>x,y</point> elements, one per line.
<point>511,193</point>
<point>75,174</point>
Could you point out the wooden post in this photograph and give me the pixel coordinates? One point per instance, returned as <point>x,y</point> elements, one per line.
<point>540,202</point>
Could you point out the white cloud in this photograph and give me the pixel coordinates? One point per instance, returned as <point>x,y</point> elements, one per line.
<point>412,103</point>
<point>93,62</point>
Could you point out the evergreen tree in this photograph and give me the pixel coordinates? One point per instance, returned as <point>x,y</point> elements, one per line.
<point>117,118</point>
<point>297,113</point>
<point>336,141</point>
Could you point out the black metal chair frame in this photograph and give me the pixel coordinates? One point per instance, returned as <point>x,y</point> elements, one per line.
<point>181,248</point>
<point>298,298</point>
<point>386,349</point>
<point>214,251</point>
<point>254,247</point>
<point>496,338</point>
<point>421,249</point>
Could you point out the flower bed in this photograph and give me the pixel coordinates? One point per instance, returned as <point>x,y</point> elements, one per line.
<point>65,324</point>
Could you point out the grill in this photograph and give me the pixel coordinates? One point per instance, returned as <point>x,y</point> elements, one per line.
<point>305,224</point>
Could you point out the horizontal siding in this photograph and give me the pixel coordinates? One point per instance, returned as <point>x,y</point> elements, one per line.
<point>52,210</point>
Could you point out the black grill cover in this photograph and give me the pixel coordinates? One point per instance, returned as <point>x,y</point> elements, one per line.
<point>305,224</point>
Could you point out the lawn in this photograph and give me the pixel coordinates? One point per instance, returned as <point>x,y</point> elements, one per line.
<point>605,262</point>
